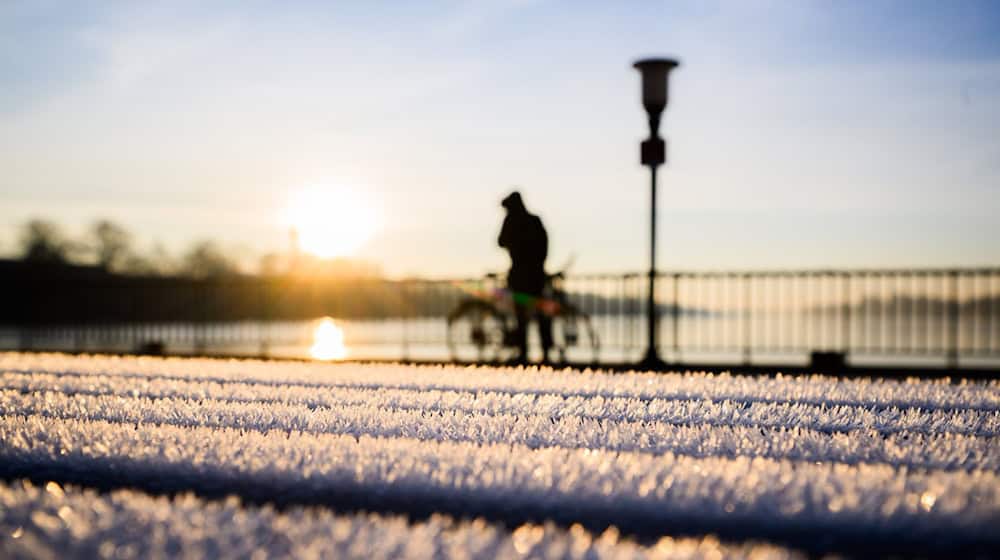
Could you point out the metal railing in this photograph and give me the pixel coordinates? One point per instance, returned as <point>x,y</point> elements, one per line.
<point>947,314</point>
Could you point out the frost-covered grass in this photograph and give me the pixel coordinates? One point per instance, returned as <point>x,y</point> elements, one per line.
<point>821,390</point>
<point>631,489</point>
<point>677,411</point>
<point>685,436</point>
<point>812,461</point>
<point>55,522</point>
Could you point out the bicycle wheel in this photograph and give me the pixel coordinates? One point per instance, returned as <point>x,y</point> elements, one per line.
<point>476,332</point>
<point>574,336</point>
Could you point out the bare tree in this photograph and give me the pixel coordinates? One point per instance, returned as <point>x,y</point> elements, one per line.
<point>111,244</point>
<point>206,260</point>
<point>43,241</point>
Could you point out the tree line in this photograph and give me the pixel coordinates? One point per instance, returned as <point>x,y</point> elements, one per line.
<point>112,248</point>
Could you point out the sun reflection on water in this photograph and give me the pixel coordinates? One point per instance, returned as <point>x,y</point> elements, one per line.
<point>328,341</point>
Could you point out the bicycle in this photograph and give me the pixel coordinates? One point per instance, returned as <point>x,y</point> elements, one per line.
<point>482,327</point>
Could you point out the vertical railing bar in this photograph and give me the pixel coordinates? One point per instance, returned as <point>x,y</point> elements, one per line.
<point>689,297</point>
<point>694,318</point>
<point>706,302</point>
<point>835,293</point>
<point>990,301</point>
<point>660,337</point>
<point>924,293</point>
<point>846,315</point>
<point>818,305</point>
<point>770,281</point>
<point>675,318</point>
<point>914,303</point>
<point>863,313</point>
<point>995,315</point>
<point>737,295</point>
<point>875,336</point>
<point>640,306</point>
<point>633,313</point>
<point>693,328</point>
<point>792,318</point>
<point>801,324</point>
<point>900,324</point>
<point>597,289</point>
<point>605,328</point>
<point>882,312</point>
<point>706,327</point>
<point>637,316</point>
<point>736,313</point>
<point>707,306</point>
<point>943,311</point>
<point>627,337</point>
<point>747,317</point>
<point>935,286</point>
<point>779,313</point>
<point>809,286</point>
<point>929,307</point>
<point>623,316</point>
<point>724,309</point>
<point>789,314</point>
<point>978,328</point>
<point>733,313</point>
<point>723,312</point>
<point>953,318</point>
<point>772,314</point>
<point>824,305</point>
<point>625,321</point>
<point>718,305</point>
<point>894,313</point>
<point>819,316</point>
<point>807,318</point>
<point>623,294</point>
<point>929,319</point>
<point>915,312</point>
<point>404,296</point>
<point>897,304</point>
<point>982,328</point>
<point>905,314</point>
<point>873,310</point>
<point>978,324</point>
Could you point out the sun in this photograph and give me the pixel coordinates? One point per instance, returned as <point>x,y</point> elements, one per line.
<point>330,221</point>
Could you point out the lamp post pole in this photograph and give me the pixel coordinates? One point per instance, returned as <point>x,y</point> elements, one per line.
<point>652,359</point>
<point>655,74</point>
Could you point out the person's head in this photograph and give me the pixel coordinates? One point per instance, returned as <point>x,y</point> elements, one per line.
<point>513,202</point>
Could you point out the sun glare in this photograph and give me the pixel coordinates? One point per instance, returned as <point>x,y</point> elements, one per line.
<point>331,222</point>
<point>328,341</point>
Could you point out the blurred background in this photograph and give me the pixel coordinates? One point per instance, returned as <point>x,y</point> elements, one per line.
<point>256,178</point>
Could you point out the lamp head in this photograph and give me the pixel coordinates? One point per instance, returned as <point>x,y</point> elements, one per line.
<point>655,77</point>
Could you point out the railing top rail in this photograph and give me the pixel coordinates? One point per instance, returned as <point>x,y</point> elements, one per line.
<point>970,271</point>
<point>775,273</point>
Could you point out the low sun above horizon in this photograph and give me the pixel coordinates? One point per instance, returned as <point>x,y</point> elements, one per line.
<point>330,221</point>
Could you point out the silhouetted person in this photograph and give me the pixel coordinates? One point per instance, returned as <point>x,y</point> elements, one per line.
<point>524,237</point>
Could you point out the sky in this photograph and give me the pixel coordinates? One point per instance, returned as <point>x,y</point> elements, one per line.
<point>801,134</point>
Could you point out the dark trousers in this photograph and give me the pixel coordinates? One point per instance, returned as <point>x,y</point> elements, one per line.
<point>527,283</point>
<point>524,315</point>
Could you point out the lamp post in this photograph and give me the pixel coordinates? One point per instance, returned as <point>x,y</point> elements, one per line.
<point>655,74</point>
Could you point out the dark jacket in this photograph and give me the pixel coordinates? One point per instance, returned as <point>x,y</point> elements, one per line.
<point>524,237</point>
